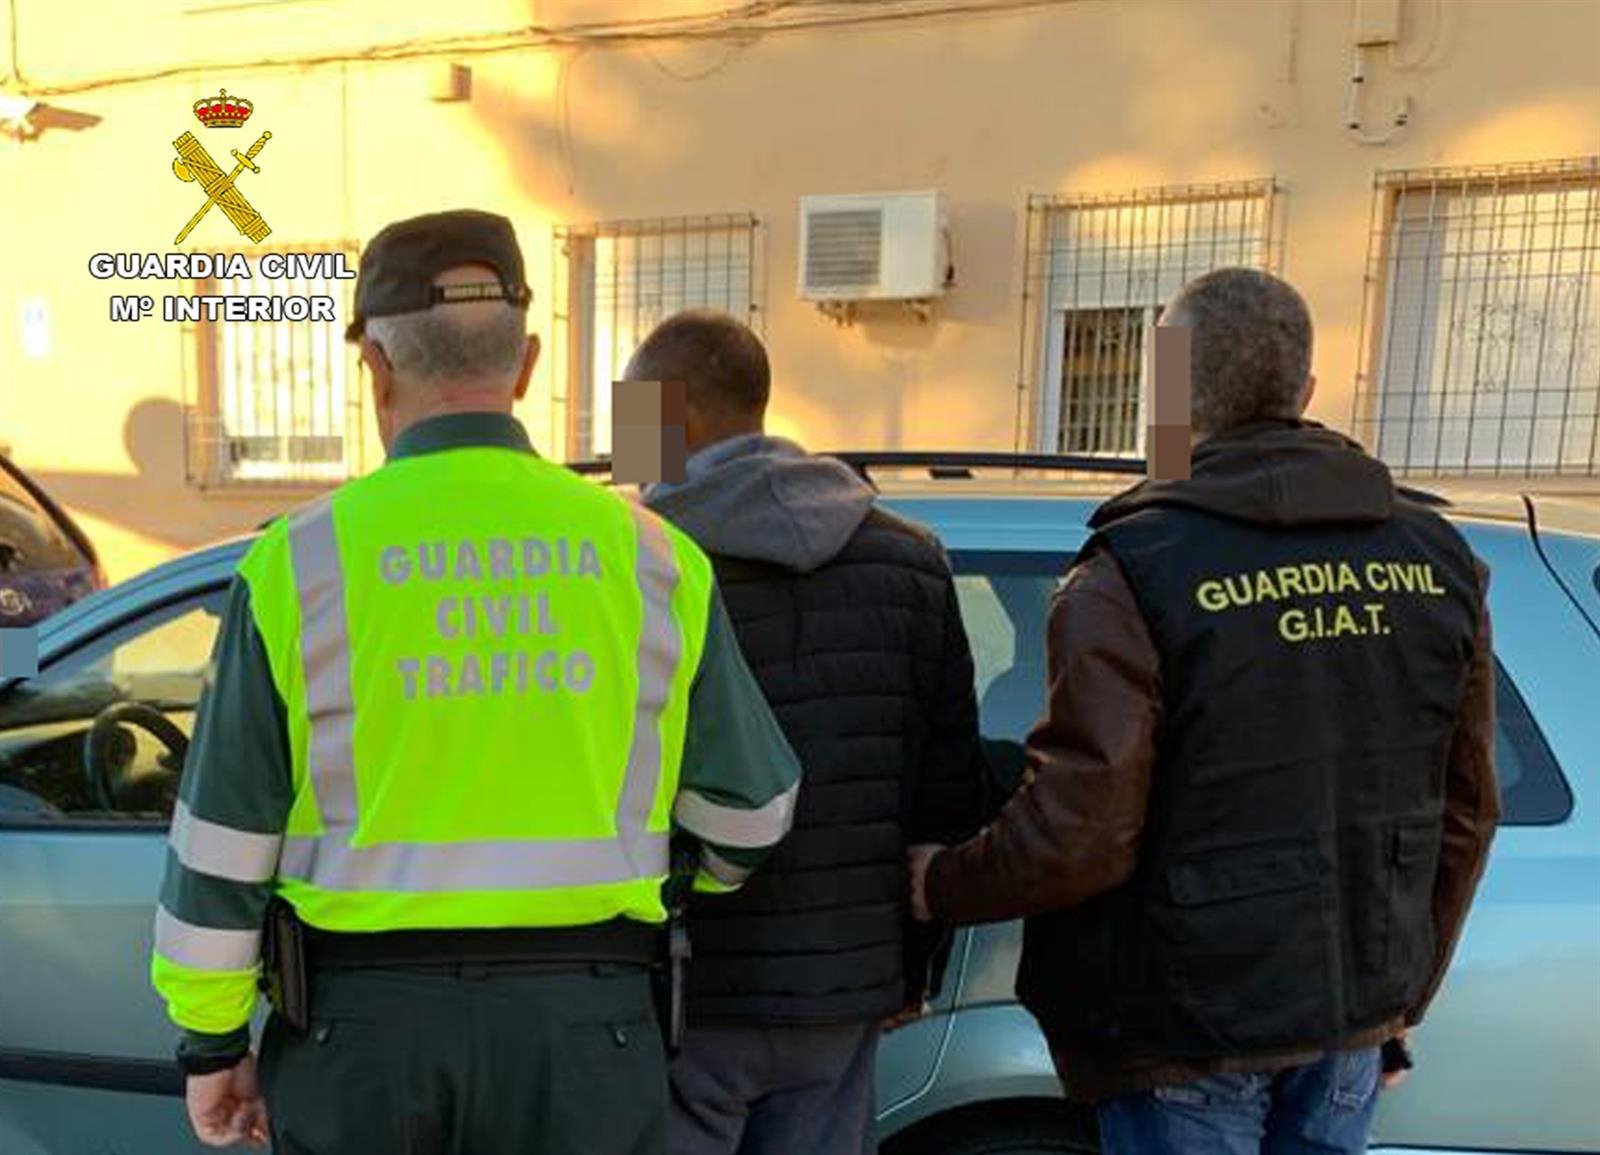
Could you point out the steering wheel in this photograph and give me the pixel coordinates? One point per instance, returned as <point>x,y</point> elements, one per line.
<point>107,740</point>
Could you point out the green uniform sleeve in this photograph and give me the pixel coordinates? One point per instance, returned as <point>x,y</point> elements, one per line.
<point>740,778</point>
<point>222,853</point>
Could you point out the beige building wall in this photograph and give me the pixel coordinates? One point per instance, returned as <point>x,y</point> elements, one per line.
<point>987,107</point>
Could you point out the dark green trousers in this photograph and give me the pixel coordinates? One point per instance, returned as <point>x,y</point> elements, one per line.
<point>467,1060</point>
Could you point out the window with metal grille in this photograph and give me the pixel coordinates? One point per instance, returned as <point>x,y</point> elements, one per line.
<point>1481,321</point>
<point>1097,272</point>
<point>617,282</point>
<point>275,402</point>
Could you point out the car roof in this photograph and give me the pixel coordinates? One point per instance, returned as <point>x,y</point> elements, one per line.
<point>1558,512</point>
<point>960,487</point>
<point>1573,513</point>
<point>1006,511</point>
<point>1038,491</point>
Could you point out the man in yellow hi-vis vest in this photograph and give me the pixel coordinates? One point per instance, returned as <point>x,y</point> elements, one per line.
<point>460,706</point>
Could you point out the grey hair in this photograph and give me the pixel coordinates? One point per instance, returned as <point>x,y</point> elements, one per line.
<point>453,344</point>
<point>1249,347</point>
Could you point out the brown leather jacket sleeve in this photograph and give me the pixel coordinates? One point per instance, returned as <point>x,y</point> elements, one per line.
<point>1072,829</point>
<point>1471,805</point>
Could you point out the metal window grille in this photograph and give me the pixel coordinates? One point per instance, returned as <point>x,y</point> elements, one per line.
<point>1097,272</point>
<point>274,403</point>
<point>617,281</point>
<point>1480,329</point>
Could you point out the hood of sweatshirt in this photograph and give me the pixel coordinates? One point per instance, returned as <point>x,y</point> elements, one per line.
<point>765,499</point>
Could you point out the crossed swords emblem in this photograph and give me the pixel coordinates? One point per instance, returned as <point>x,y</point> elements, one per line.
<point>194,163</point>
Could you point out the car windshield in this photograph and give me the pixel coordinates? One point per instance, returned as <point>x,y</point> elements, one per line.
<point>30,538</point>
<point>72,743</point>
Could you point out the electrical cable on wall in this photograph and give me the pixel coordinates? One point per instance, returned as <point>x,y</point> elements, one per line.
<point>751,21</point>
<point>15,75</point>
<point>1424,58</point>
<point>1287,73</point>
<point>732,53</point>
<point>1353,104</point>
<point>564,99</point>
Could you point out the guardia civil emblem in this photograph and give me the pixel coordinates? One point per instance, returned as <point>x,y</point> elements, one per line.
<point>194,163</point>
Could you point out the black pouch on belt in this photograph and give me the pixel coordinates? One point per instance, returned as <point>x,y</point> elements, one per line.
<point>677,961</point>
<point>283,964</point>
<point>669,976</point>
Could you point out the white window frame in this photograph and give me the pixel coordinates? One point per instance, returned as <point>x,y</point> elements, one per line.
<point>1050,398</point>
<point>729,279</point>
<point>1445,385</point>
<point>1050,295</point>
<point>320,400</point>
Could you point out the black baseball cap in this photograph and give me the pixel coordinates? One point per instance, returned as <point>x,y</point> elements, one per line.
<point>399,265</point>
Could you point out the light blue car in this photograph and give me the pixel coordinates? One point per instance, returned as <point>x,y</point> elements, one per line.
<point>1509,1059</point>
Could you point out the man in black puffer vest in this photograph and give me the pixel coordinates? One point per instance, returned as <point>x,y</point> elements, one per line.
<point>1263,791</point>
<point>847,616</point>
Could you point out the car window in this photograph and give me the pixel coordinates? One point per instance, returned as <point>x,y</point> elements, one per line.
<point>990,632</point>
<point>30,538</point>
<point>1005,597</point>
<point>100,734</point>
<point>1532,789</point>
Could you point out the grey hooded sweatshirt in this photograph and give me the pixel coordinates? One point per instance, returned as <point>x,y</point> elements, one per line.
<point>765,499</point>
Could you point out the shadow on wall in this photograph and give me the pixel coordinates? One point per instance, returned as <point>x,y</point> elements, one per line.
<point>985,292</point>
<point>156,501</point>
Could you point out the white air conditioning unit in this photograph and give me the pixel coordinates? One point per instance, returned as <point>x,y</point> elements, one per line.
<point>873,247</point>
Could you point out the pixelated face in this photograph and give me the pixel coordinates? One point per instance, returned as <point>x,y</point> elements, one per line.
<point>1169,438</point>
<point>648,437</point>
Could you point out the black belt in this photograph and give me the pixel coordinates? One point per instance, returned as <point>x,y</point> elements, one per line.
<point>619,941</point>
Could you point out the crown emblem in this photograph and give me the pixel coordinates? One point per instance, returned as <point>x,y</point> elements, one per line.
<point>222,110</point>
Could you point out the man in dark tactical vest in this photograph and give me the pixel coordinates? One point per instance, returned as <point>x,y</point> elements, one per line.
<point>1263,793</point>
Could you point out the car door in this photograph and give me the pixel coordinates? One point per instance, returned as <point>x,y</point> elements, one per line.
<point>85,1047</point>
<point>1509,1055</point>
<point>977,1040</point>
<point>1002,597</point>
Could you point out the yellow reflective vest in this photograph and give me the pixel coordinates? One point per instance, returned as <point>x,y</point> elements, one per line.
<point>485,666</point>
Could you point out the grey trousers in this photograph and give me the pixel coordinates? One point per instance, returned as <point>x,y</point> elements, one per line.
<point>774,1090</point>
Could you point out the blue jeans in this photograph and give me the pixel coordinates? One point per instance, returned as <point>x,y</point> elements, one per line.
<point>1324,1108</point>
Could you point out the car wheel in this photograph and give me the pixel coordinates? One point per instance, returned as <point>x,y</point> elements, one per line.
<point>1003,1131</point>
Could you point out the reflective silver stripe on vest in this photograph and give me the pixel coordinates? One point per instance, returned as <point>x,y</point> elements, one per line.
<point>330,862</point>
<point>203,948</point>
<point>222,851</point>
<point>721,869</point>
<point>440,867</point>
<point>729,826</point>
<point>660,648</point>
<point>325,654</point>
